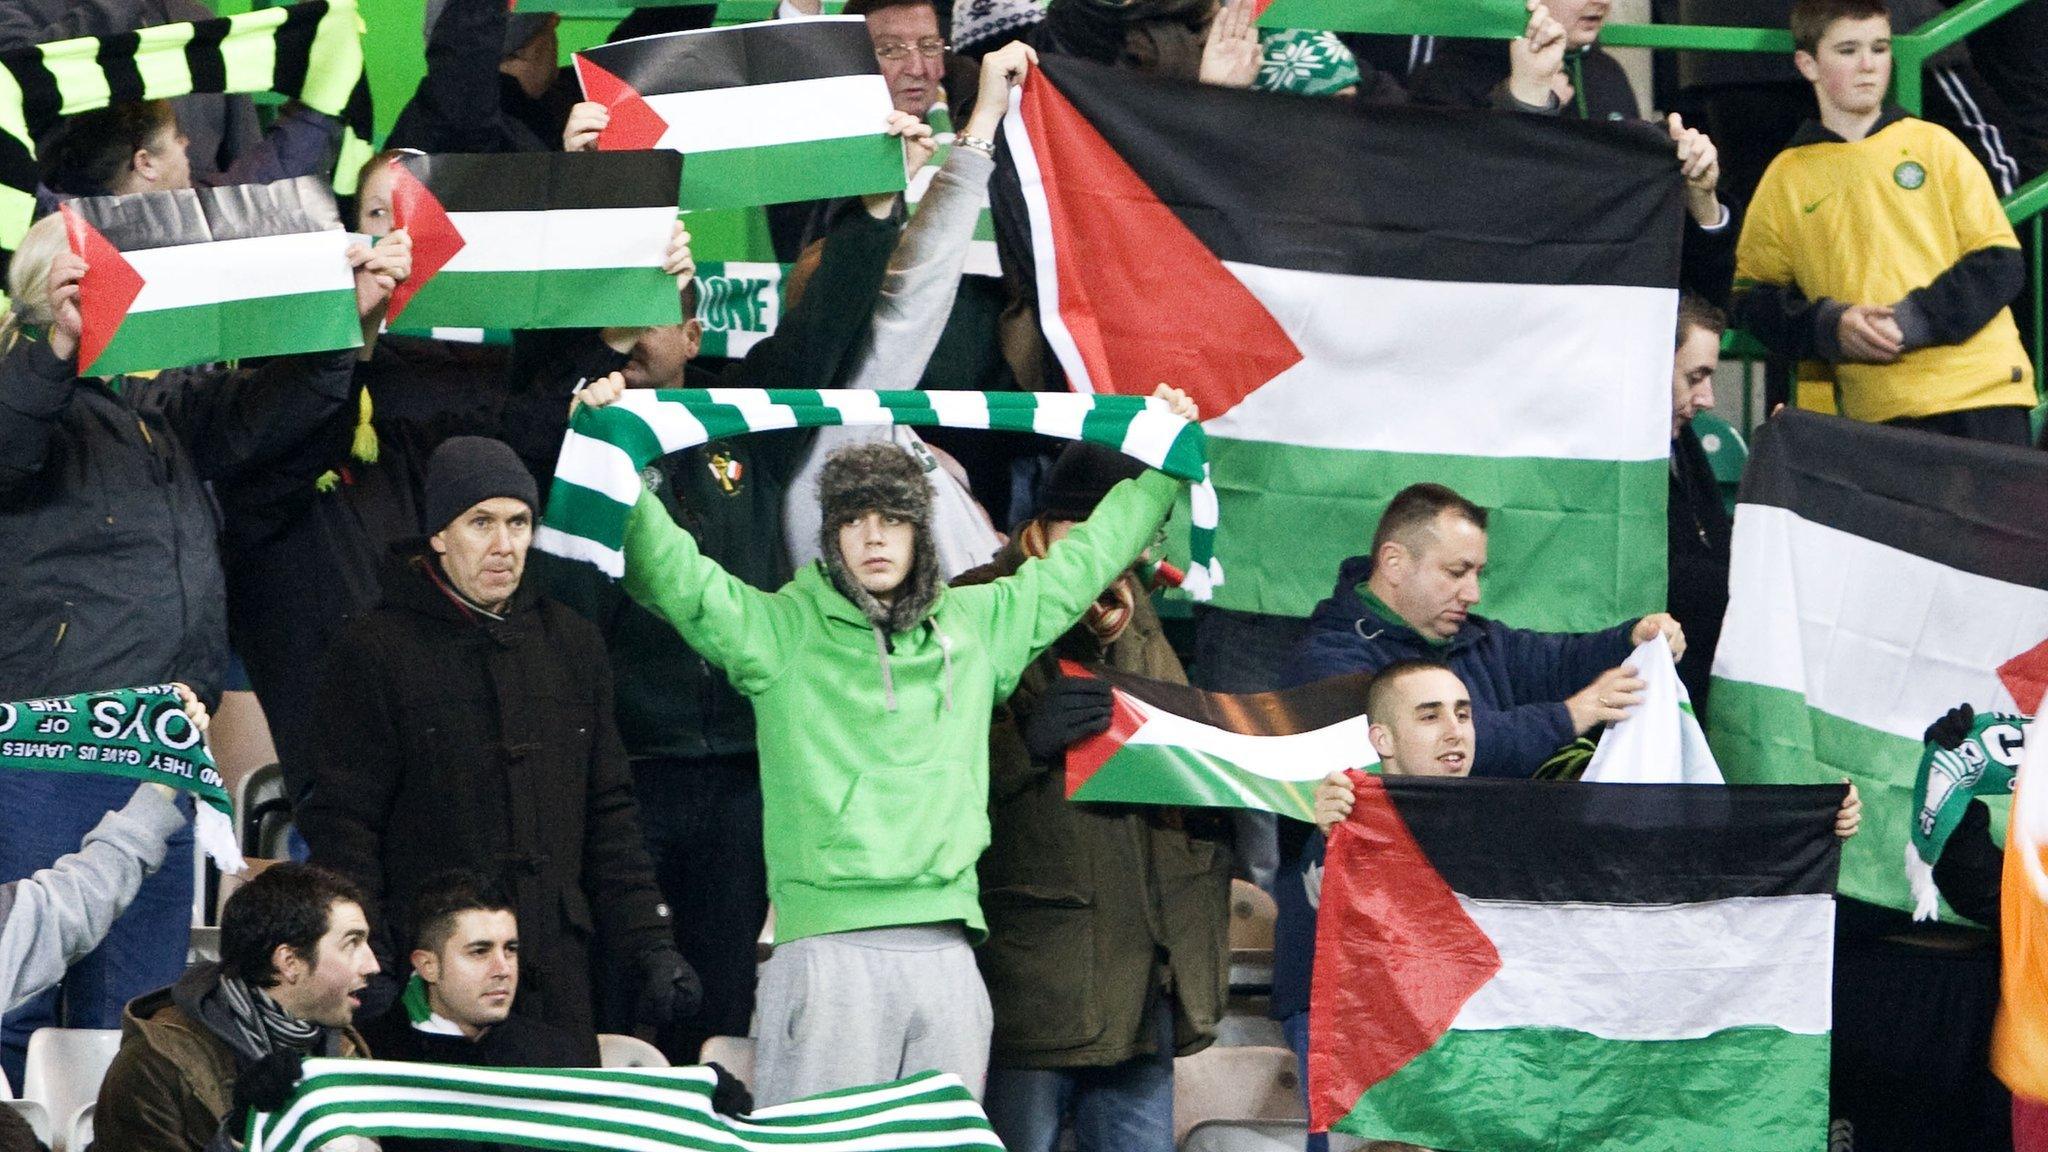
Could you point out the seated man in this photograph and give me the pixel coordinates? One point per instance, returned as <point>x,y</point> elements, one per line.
<point>230,1037</point>
<point>1411,598</point>
<point>465,973</point>
<point>873,686</point>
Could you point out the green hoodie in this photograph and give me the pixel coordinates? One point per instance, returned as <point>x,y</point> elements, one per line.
<point>874,751</point>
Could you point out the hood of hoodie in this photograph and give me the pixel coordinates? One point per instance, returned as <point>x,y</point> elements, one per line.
<point>1346,611</point>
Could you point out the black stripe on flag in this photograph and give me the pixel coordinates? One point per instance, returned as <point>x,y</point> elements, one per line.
<point>198,215</point>
<point>294,40</point>
<point>116,59</point>
<point>1543,841</point>
<point>1413,193</point>
<point>204,58</point>
<point>1285,713</point>
<point>1969,505</point>
<point>770,52</point>
<point>536,182</point>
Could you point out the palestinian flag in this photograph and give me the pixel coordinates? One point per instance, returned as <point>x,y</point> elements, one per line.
<point>1478,19</point>
<point>770,112</point>
<point>1880,577</point>
<point>207,274</point>
<point>1526,966</point>
<point>1479,300</point>
<point>2019,1038</point>
<point>608,1110</point>
<point>555,240</point>
<point>311,52</point>
<point>1173,744</point>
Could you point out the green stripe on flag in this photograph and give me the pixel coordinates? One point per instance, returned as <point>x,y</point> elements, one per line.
<point>554,298</point>
<point>1742,1090</point>
<point>233,330</point>
<point>1190,778</point>
<point>1481,19</point>
<point>778,173</point>
<point>1764,735</point>
<point>1572,546</point>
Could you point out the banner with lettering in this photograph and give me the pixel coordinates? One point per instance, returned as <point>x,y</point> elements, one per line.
<point>739,304</point>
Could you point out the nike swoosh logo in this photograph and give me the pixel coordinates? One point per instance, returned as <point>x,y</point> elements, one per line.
<point>1817,203</point>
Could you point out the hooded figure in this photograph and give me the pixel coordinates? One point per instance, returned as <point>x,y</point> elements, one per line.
<point>873,686</point>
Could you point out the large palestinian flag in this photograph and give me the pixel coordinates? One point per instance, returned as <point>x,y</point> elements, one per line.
<point>1880,577</point>
<point>1173,744</point>
<point>1526,966</point>
<point>206,274</point>
<point>1359,303</point>
<point>311,52</point>
<point>557,240</point>
<point>769,112</point>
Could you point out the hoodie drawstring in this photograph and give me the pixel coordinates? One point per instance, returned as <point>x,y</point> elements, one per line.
<point>946,665</point>
<point>888,678</point>
<point>945,643</point>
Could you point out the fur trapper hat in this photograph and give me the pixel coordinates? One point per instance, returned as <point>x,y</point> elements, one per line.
<point>880,477</point>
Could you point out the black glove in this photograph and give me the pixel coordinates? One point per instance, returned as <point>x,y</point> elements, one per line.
<point>1072,708</point>
<point>265,1086</point>
<point>669,990</point>
<point>1951,730</point>
<point>729,1097</point>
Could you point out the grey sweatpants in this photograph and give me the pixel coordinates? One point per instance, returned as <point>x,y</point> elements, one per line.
<point>855,1008</point>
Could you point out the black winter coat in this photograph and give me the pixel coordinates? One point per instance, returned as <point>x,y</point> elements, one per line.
<point>446,740</point>
<point>109,568</point>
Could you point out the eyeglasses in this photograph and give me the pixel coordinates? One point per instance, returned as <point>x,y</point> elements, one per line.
<point>931,48</point>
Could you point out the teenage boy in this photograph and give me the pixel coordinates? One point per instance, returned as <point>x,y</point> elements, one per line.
<point>1909,320</point>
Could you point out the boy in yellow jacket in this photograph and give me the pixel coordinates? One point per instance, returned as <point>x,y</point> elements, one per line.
<point>1876,250</point>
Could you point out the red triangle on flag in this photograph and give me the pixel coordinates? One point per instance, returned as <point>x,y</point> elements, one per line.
<point>634,125</point>
<point>1396,956</point>
<point>1086,757</point>
<point>106,291</point>
<point>2025,676</point>
<point>435,240</point>
<point>1145,301</point>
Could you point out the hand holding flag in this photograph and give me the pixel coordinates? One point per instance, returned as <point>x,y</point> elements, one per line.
<point>65,272</point>
<point>379,270</point>
<point>1536,59</point>
<point>1002,71</point>
<point>587,122</point>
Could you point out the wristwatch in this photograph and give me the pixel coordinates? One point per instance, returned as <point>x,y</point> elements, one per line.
<point>985,147</point>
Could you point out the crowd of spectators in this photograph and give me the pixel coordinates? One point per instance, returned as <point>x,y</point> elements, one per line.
<point>532,804</point>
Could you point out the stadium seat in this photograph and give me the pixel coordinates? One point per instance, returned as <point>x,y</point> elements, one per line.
<point>228,884</point>
<point>78,1133</point>
<point>1235,1084</point>
<point>1252,913</point>
<point>1247,1136</point>
<point>37,1116</point>
<point>617,1051</point>
<point>264,810</point>
<point>64,1070</point>
<point>1726,451</point>
<point>733,1053</point>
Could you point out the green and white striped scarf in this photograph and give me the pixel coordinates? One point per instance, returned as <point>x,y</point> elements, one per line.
<point>609,1110</point>
<point>311,52</point>
<point>597,479</point>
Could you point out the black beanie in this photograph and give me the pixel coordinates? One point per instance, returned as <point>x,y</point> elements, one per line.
<point>1081,477</point>
<point>466,471</point>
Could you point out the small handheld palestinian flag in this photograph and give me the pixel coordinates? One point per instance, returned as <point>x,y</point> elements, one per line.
<point>767,113</point>
<point>1477,19</point>
<point>1986,763</point>
<point>558,240</point>
<point>206,274</point>
<point>1177,745</point>
<point>1525,966</point>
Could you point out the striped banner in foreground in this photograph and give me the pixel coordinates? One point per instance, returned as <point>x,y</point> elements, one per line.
<point>597,478</point>
<point>608,1110</point>
<point>1178,745</point>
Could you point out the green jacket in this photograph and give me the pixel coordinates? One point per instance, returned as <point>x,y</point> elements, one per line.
<point>874,749</point>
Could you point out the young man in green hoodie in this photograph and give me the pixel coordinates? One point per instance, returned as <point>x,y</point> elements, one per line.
<point>872,686</point>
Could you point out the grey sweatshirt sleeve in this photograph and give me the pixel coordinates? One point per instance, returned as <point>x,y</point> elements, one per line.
<point>62,912</point>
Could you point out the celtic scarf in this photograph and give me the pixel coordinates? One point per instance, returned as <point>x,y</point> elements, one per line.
<point>597,478</point>
<point>139,733</point>
<point>608,1110</point>
<point>1984,764</point>
<point>310,52</point>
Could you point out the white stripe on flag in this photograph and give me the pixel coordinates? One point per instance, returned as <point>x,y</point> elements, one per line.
<point>1657,972</point>
<point>760,115</point>
<point>561,238</point>
<point>1868,633</point>
<point>1018,138</point>
<point>982,259</point>
<point>1405,352</point>
<point>193,275</point>
<point>1302,756</point>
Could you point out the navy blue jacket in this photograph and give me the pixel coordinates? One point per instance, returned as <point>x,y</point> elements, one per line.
<point>1519,680</point>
